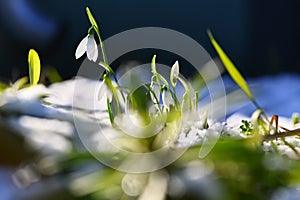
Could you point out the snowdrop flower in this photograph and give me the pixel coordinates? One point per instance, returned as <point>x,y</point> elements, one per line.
<point>154,85</point>
<point>88,45</point>
<point>167,99</point>
<point>104,91</point>
<point>174,73</point>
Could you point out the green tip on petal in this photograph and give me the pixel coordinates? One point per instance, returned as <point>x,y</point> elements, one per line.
<point>34,67</point>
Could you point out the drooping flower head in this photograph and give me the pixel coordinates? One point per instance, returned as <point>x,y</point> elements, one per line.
<point>88,45</point>
<point>174,74</point>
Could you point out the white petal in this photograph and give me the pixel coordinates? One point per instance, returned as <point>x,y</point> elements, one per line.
<point>174,73</point>
<point>92,49</point>
<point>175,69</point>
<point>109,93</point>
<point>167,98</point>
<point>156,89</point>
<point>104,92</point>
<point>81,48</point>
<point>101,90</point>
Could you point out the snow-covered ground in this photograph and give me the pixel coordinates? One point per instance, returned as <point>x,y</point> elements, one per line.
<point>278,95</point>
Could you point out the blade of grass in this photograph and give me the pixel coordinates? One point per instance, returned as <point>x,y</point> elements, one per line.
<point>232,70</point>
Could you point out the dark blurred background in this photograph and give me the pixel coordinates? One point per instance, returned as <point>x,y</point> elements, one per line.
<point>262,37</point>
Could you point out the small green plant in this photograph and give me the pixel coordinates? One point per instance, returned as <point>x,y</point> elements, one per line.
<point>246,127</point>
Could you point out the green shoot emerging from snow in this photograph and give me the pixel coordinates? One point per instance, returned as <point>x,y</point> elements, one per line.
<point>34,67</point>
<point>232,70</point>
<point>295,118</point>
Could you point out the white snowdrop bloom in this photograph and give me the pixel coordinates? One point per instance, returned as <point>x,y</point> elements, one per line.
<point>88,45</point>
<point>167,99</point>
<point>104,92</point>
<point>174,73</point>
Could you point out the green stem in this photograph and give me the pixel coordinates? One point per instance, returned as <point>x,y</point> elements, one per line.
<point>101,46</point>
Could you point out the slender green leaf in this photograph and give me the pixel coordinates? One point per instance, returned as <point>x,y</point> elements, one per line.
<point>91,18</point>
<point>158,75</point>
<point>34,67</point>
<point>232,70</point>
